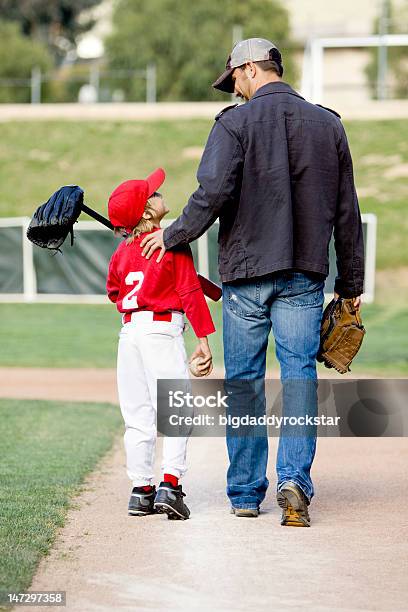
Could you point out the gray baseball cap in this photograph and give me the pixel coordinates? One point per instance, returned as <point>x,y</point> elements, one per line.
<point>249,50</point>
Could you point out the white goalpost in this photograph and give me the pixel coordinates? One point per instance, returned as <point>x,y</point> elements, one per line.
<point>312,73</point>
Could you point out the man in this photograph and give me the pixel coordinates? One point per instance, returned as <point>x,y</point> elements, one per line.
<point>277,172</point>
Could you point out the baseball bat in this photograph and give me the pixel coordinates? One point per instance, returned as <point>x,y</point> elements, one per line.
<point>96,216</point>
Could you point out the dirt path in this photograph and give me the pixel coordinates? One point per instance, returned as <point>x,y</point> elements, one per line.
<point>353,558</point>
<point>82,384</point>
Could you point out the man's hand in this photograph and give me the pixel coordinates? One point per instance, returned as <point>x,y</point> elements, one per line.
<point>357,300</point>
<point>151,243</point>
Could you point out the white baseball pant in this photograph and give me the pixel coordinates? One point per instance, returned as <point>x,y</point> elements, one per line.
<point>149,350</point>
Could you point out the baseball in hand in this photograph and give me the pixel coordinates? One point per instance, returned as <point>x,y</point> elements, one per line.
<point>194,367</point>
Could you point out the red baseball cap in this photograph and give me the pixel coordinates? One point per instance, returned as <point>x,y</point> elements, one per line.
<point>127,202</point>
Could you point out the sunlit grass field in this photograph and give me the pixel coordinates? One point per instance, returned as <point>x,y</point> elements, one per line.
<point>75,336</point>
<point>38,157</point>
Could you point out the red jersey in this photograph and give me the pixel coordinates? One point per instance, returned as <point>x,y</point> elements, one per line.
<point>136,283</point>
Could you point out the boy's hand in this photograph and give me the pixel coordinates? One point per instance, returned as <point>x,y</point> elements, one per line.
<point>357,301</point>
<point>151,243</point>
<point>204,353</point>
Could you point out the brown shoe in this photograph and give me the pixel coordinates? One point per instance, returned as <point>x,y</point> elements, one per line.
<point>294,505</point>
<point>248,512</point>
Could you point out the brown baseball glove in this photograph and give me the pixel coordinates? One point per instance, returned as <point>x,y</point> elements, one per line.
<point>341,334</point>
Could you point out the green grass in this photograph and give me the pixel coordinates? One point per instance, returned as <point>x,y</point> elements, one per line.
<point>47,450</point>
<point>38,157</point>
<point>58,335</point>
<point>380,155</point>
<point>385,347</point>
<point>69,336</point>
<point>95,155</point>
<point>43,335</point>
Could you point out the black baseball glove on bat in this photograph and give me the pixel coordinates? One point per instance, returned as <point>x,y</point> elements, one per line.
<point>54,220</point>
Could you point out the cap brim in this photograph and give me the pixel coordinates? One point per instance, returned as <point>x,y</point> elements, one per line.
<point>225,82</point>
<point>154,180</point>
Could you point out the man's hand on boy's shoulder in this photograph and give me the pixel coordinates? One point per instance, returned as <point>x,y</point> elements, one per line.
<point>151,243</point>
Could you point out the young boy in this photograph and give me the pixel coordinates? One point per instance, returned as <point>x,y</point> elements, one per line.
<point>152,297</point>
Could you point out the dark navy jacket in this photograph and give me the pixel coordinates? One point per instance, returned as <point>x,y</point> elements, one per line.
<point>278,173</point>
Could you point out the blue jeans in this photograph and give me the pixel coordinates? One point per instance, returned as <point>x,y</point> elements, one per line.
<point>291,303</point>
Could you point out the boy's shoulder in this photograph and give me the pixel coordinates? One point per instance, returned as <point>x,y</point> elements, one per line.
<point>133,249</point>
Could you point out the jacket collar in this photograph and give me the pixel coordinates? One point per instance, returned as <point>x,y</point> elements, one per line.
<point>275,87</point>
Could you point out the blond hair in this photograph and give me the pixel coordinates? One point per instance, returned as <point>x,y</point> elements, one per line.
<point>144,225</point>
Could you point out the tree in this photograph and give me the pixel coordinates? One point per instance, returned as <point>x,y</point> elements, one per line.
<point>397,57</point>
<point>18,55</point>
<point>55,23</point>
<point>189,41</point>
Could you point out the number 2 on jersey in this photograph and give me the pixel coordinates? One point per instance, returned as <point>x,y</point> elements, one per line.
<point>129,302</point>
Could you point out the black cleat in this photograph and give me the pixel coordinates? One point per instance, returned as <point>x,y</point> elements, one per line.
<point>169,500</point>
<point>141,502</point>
